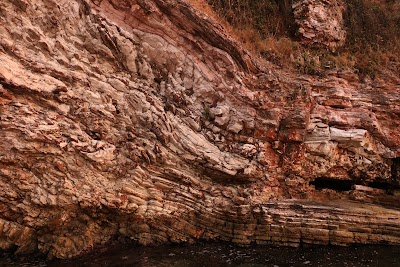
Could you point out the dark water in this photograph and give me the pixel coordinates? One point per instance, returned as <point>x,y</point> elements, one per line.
<point>217,255</point>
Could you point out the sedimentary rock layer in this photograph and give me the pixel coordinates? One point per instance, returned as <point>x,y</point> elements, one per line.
<point>145,120</point>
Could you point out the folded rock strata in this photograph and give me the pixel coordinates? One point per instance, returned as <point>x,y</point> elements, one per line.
<point>144,120</point>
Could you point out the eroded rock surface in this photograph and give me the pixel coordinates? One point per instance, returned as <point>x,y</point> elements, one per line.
<point>144,120</point>
<point>320,22</point>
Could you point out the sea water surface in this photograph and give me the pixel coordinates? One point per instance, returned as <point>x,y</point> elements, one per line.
<point>217,255</point>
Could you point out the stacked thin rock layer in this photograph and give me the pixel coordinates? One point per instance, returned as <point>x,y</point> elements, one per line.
<point>144,120</point>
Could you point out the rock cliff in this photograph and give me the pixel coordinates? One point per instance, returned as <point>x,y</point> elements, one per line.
<point>144,120</point>
<point>320,22</point>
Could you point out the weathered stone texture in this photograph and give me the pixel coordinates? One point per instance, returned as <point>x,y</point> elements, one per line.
<point>144,120</point>
<point>320,22</point>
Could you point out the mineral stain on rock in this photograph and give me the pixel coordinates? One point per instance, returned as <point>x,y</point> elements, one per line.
<point>144,120</point>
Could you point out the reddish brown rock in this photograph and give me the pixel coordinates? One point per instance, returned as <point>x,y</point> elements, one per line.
<point>145,120</point>
<point>320,22</point>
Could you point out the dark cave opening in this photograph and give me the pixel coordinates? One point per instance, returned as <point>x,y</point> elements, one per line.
<point>381,185</point>
<point>334,184</point>
<point>395,171</point>
<point>347,185</point>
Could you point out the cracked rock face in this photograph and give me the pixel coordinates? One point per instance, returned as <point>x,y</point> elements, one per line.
<point>144,120</point>
<point>320,22</point>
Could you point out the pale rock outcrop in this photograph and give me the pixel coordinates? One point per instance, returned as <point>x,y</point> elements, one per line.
<point>144,120</point>
<point>320,22</point>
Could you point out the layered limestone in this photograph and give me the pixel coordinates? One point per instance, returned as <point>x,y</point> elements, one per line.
<point>144,120</point>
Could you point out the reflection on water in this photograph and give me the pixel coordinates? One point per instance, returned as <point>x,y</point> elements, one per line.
<point>217,255</point>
